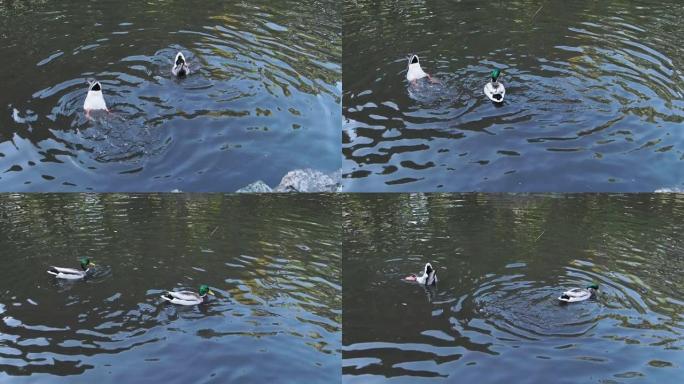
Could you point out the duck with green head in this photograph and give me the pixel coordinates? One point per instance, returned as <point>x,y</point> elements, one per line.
<point>71,273</point>
<point>579,294</point>
<point>495,89</point>
<point>188,297</point>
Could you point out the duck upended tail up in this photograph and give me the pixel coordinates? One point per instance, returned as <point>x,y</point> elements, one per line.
<point>94,100</point>
<point>180,66</point>
<point>429,276</point>
<point>415,71</point>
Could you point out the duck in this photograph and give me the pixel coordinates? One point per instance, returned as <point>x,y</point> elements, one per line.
<point>188,297</point>
<point>180,66</point>
<point>429,276</point>
<point>71,273</point>
<point>495,89</point>
<point>94,100</point>
<point>579,294</point>
<point>415,71</point>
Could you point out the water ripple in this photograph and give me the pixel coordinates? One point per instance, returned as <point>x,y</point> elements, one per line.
<point>594,94</point>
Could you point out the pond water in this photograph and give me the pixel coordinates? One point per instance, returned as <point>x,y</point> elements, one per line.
<point>273,263</point>
<point>262,99</point>
<point>594,101</point>
<point>502,261</point>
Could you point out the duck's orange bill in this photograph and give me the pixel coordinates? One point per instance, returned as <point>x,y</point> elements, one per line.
<point>410,278</point>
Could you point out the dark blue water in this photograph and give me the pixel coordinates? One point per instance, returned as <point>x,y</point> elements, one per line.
<point>274,263</point>
<point>263,98</point>
<point>594,102</point>
<point>502,261</point>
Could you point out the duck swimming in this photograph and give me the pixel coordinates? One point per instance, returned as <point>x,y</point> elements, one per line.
<point>71,273</point>
<point>180,66</point>
<point>188,297</point>
<point>429,276</point>
<point>415,71</point>
<point>495,89</point>
<point>94,99</point>
<point>579,294</point>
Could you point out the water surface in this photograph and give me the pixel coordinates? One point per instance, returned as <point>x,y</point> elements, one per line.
<point>263,98</point>
<point>595,96</point>
<point>273,262</point>
<point>502,261</point>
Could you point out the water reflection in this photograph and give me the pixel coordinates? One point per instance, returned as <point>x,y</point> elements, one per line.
<point>265,85</point>
<point>593,94</point>
<point>273,262</point>
<point>502,262</point>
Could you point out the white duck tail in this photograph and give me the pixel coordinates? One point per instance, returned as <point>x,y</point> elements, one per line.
<point>94,100</point>
<point>415,72</point>
<point>429,276</point>
<point>180,66</point>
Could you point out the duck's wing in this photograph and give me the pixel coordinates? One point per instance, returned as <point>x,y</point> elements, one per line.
<point>495,94</point>
<point>66,271</point>
<point>575,292</point>
<point>184,295</point>
<point>183,298</point>
<point>488,90</point>
<point>574,295</point>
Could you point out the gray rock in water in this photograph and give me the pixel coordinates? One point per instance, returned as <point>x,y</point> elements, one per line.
<point>670,190</point>
<point>300,180</point>
<point>256,187</point>
<point>309,180</point>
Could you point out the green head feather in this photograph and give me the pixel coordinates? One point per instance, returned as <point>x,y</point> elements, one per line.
<point>593,286</point>
<point>204,289</point>
<point>85,262</point>
<point>495,74</point>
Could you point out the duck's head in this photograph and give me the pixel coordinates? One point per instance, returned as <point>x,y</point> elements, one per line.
<point>204,290</point>
<point>413,59</point>
<point>95,86</point>
<point>593,287</point>
<point>86,263</point>
<point>495,75</point>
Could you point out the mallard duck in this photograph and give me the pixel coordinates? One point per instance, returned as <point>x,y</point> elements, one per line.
<point>429,276</point>
<point>71,273</point>
<point>180,66</point>
<point>415,71</point>
<point>94,100</point>
<point>188,297</point>
<point>495,89</point>
<point>579,294</point>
